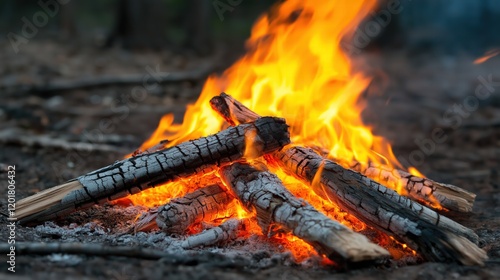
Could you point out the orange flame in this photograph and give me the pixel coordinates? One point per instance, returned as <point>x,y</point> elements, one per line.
<point>294,68</point>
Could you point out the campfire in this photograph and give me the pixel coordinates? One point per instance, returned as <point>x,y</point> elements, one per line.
<point>286,155</point>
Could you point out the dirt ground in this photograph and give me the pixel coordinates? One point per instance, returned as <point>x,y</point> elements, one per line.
<point>411,95</point>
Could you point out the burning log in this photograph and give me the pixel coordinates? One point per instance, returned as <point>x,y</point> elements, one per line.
<point>263,192</point>
<point>423,190</point>
<point>235,112</point>
<point>434,236</point>
<point>206,204</point>
<point>135,174</point>
<point>147,220</point>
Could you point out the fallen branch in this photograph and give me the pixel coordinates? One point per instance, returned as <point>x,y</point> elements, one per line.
<point>135,174</point>
<point>29,248</point>
<point>264,193</point>
<point>57,85</point>
<point>32,248</point>
<point>18,137</point>
<point>423,190</point>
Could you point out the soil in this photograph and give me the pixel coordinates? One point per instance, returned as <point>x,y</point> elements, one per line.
<point>410,97</point>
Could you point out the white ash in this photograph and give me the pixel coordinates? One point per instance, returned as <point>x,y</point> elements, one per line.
<point>258,251</point>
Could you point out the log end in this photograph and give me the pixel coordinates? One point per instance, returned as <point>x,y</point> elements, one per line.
<point>470,254</point>
<point>454,198</point>
<point>46,204</point>
<point>356,248</point>
<point>147,221</point>
<point>444,246</point>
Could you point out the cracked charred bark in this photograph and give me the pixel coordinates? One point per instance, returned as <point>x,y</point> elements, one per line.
<point>423,190</point>
<point>147,221</point>
<point>235,112</point>
<point>383,208</point>
<point>135,174</point>
<point>264,193</point>
<point>434,236</point>
<point>206,204</point>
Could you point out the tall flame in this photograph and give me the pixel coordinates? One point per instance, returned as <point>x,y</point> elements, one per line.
<point>294,68</point>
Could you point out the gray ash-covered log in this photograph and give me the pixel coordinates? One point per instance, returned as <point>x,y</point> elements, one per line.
<point>144,171</point>
<point>424,190</point>
<point>264,193</point>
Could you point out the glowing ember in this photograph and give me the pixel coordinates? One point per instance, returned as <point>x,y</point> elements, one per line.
<point>489,54</point>
<point>295,69</point>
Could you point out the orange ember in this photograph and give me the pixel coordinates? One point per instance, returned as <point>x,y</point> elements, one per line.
<point>294,68</point>
<point>489,54</point>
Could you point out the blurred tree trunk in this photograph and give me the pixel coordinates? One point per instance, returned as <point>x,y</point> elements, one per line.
<point>198,26</point>
<point>67,21</point>
<point>139,24</point>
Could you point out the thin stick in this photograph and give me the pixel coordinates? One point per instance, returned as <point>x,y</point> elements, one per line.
<point>109,80</point>
<point>32,248</point>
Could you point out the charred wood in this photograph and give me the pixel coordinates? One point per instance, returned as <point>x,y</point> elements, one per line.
<point>206,204</point>
<point>423,190</point>
<point>264,193</point>
<point>435,237</point>
<point>135,174</point>
<point>226,231</point>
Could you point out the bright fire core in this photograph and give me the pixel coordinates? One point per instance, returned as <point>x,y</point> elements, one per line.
<point>294,68</point>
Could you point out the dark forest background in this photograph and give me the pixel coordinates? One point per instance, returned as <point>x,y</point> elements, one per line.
<point>196,25</point>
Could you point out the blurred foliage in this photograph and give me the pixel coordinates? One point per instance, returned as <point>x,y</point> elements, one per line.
<point>93,15</point>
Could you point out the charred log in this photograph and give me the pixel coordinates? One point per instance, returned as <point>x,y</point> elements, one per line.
<point>264,193</point>
<point>206,204</point>
<point>436,237</point>
<point>422,190</point>
<point>135,174</point>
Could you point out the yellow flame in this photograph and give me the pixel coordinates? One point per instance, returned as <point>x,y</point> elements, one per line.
<point>294,68</point>
<point>413,171</point>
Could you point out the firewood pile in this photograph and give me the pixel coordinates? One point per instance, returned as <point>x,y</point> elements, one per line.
<point>239,165</point>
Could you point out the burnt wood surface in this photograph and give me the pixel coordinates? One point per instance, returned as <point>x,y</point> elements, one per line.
<point>205,204</point>
<point>423,190</point>
<point>263,192</point>
<point>435,237</point>
<point>236,113</point>
<point>135,174</point>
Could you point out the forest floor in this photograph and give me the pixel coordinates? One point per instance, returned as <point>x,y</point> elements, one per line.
<point>411,95</point>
